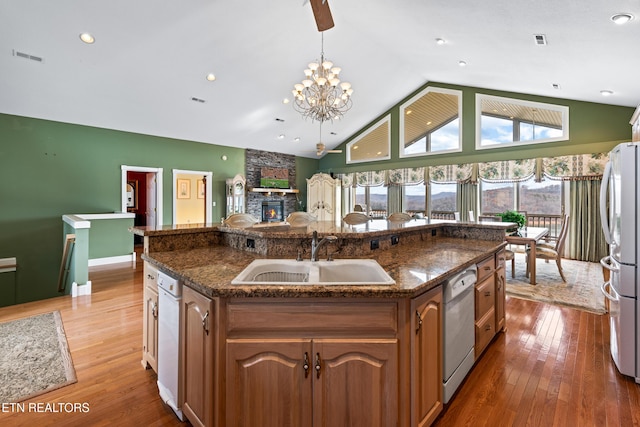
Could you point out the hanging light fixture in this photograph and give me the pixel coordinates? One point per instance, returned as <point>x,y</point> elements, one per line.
<point>321,96</point>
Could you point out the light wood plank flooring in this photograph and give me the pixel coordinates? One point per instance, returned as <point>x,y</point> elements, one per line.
<point>551,368</point>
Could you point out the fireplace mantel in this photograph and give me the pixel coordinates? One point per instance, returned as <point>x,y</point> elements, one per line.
<point>270,191</point>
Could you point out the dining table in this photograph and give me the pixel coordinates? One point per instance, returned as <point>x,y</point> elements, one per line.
<point>528,236</point>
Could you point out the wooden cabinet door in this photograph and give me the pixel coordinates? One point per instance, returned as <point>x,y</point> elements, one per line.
<point>267,384</point>
<point>426,358</point>
<point>150,328</point>
<point>501,283</point>
<point>197,357</point>
<point>355,382</point>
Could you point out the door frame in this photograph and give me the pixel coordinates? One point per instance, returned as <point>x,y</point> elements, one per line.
<point>123,193</point>
<point>209,193</point>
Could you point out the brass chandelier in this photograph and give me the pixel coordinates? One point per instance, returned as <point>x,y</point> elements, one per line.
<point>321,96</point>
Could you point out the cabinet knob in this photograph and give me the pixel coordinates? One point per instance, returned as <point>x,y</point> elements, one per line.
<point>205,322</point>
<point>487,327</point>
<point>318,366</point>
<point>487,293</point>
<point>154,309</point>
<point>305,365</point>
<point>419,321</point>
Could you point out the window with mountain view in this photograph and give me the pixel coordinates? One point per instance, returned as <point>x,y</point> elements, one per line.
<point>442,197</point>
<point>414,198</point>
<point>529,196</point>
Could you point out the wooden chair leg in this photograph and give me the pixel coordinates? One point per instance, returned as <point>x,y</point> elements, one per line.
<point>513,267</point>
<point>564,279</point>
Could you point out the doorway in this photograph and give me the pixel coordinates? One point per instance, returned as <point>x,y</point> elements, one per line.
<point>141,193</point>
<point>192,197</point>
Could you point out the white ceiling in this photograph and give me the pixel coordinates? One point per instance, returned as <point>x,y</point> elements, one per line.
<point>151,57</point>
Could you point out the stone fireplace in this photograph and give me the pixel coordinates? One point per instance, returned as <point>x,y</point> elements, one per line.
<point>255,162</point>
<point>272,210</point>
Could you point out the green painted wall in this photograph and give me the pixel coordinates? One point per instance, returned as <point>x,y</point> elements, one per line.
<point>593,128</point>
<point>110,237</point>
<point>48,169</point>
<point>305,168</point>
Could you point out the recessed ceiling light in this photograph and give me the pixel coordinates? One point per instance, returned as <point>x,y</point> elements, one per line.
<point>462,63</point>
<point>606,92</point>
<point>440,41</point>
<point>285,101</point>
<point>87,38</point>
<point>279,120</point>
<point>211,77</point>
<point>622,18</point>
<point>555,85</point>
<point>296,139</point>
<point>333,133</point>
<point>281,136</point>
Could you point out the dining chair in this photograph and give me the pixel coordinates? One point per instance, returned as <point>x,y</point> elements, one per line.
<point>299,219</point>
<point>355,218</point>
<point>554,253</point>
<point>509,255</point>
<point>551,243</point>
<point>399,217</point>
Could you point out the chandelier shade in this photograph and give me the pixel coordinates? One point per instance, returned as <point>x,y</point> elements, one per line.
<point>321,95</point>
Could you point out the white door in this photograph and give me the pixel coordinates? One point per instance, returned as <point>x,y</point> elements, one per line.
<point>151,200</point>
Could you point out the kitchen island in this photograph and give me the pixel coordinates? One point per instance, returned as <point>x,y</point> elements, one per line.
<point>316,354</point>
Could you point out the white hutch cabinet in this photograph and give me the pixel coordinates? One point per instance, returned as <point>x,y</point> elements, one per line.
<point>236,188</point>
<point>324,197</point>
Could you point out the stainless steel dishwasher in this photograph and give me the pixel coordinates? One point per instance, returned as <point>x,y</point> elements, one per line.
<point>459,330</point>
<point>169,302</point>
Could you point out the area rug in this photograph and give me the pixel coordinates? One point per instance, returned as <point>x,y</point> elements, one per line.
<point>581,291</point>
<point>34,357</point>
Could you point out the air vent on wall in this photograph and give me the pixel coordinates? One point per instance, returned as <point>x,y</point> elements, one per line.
<point>27,56</point>
<point>541,39</point>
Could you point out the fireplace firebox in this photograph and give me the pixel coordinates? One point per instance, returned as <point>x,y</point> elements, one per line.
<point>272,211</point>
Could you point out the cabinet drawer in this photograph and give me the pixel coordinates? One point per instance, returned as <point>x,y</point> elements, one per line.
<point>486,268</point>
<point>485,296</point>
<point>248,318</point>
<point>150,275</point>
<point>485,330</point>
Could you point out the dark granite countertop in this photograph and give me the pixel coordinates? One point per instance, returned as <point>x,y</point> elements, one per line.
<point>416,268</point>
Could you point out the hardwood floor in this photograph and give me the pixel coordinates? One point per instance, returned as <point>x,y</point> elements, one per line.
<point>104,332</point>
<point>551,368</point>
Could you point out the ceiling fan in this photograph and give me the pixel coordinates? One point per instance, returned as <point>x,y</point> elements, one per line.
<point>321,148</point>
<point>322,13</point>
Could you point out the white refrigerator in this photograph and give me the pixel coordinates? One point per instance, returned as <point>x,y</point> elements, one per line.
<point>621,184</point>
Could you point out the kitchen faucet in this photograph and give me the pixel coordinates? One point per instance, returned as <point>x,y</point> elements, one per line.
<point>315,245</point>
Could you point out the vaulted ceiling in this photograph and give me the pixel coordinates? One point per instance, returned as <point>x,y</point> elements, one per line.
<point>146,71</point>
